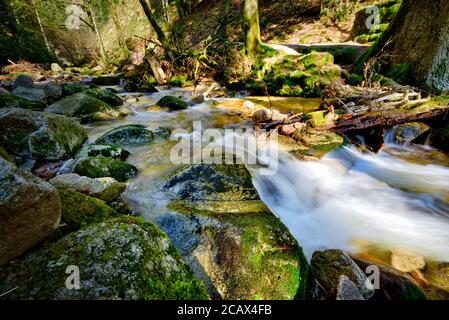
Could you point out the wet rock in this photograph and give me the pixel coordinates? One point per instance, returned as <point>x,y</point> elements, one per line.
<point>136,87</point>
<point>228,236</point>
<point>3,91</point>
<point>24,81</point>
<point>107,151</point>
<point>408,132</point>
<point>329,265</point>
<point>30,210</point>
<point>53,91</point>
<point>106,96</point>
<point>162,133</point>
<point>347,290</point>
<point>406,262</point>
<point>106,189</point>
<point>11,101</point>
<point>79,210</point>
<point>85,107</point>
<point>105,167</point>
<point>39,135</point>
<point>440,138</point>
<point>126,136</point>
<point>31,94</point>
<point>197,99</point>
<point>316,143</point>
<point>172,103</point>
<point>232,252</point>
<point>393,285</point>
<point>107,80</point>
<point>48,170</point>
<point>125,258</point>
<point>214,182</point>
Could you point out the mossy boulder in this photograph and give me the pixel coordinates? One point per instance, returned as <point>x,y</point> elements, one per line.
<point>227,235</point>
<point>126,136</point>
<point>30,94</point>
<point>440,138</point>
<point>172,103</point>
<point>316,143</point>
<point>105,167</point>
<point>30,210</point>
<point>79,210</point>
<point>39,135</point>
<point>407,132</point>
<point>124,258</point>
<point>12,101</point>
<point>106,189</point>
<point>107,151</point>
<point>394,285</point>
<point>328,266</point>
<point>84,106</point>
<point>106,96</point>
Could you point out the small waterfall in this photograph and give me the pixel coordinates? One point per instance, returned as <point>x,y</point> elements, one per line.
<point>349,196</point>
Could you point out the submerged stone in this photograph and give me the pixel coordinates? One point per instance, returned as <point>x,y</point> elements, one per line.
<point>107,151</point>
<point>105,167</point>
<point>126,136</point>
<point>85,107</point>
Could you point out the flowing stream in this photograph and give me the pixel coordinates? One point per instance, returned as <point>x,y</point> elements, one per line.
<point>395,199</point>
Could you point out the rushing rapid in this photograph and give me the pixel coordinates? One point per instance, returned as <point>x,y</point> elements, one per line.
<point>348,197</point>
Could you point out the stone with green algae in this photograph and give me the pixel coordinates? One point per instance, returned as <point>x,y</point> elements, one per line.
<point>124,258</point>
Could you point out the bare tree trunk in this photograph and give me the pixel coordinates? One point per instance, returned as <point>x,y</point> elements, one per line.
<point>39,21</point>
<point>160,34</point>
<point>97,32</point>
<point>251,28</point>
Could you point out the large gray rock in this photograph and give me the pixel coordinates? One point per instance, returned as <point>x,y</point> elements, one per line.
<point>84,106</point>
<point>39,135</point>
<point>30,210</point>
<point>106,188</point>
<point>330,265</point>
<point>347,290</point>
<point>105,167</point>
<point>119,259</point>
<point>53,91</point>
<point>31,94</point>
<point>126,136</point>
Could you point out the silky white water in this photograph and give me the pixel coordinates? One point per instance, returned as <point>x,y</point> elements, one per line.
<point>349,196</point>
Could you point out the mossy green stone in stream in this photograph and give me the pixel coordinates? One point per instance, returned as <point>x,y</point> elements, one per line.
<point>172,103</point>
<point>316,143</point>
<point>124,258</point>
<point>105,167</point>
<point>84,106</point>
<point>248,255</point>
<point>146,87</point>
<point>126,136</point>
<point>72,88</point>
<point>79,210</point>
<point>12,101</point>
<point>229,237</point>
<point>107,151</point>
<point>106,96</point>
<point>39,135</point>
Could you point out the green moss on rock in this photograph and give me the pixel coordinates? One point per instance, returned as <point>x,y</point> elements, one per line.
<point>79,210</point>
<point>12,101</point>
<point>172,103</point>
<point>84,106</point>
<point>107,151</point>
<point>105,167</point>
<point>124,258</point>
<point>126,136</point>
